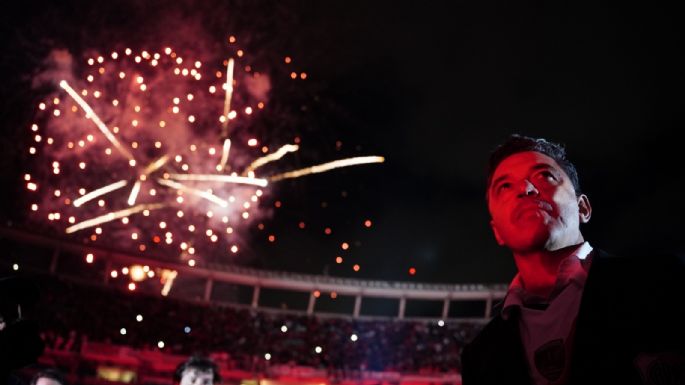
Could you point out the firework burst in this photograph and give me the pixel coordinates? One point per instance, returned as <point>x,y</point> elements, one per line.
<point>142,148</point>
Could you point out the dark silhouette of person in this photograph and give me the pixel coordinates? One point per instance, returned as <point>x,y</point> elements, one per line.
<point>197,370</point>
<point>20,342</point>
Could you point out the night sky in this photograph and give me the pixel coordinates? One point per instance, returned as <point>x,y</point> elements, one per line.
<point>433,87</point>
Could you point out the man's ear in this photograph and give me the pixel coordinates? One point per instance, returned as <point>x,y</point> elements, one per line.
<point>499,239</point>
<point>584,208</point>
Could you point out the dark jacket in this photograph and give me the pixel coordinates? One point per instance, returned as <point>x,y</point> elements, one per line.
<point>630,329</point>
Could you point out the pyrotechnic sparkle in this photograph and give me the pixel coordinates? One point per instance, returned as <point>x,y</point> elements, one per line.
<point>271,157</point>
<point>327,167</point>
<point>173,133</point>
<point>112,216</point>
<point>101,191</point>
<point>96,119</point>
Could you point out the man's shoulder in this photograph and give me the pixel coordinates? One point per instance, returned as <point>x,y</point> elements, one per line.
<point>492,334</point>
<point>639,287</point>
<point>642,266</point>
<point>495,356</point>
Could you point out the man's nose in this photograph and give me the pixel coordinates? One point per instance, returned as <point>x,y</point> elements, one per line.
<point>527,188</point>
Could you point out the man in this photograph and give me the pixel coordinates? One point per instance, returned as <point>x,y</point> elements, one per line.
<point>573,314</point>
<point>48,376</point>
<point>197,370</point>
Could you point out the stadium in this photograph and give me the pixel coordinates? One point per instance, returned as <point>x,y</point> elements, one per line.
<point>297,192</point>
<point>99,327</point>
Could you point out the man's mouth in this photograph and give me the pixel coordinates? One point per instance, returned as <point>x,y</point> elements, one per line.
<point>532,206</point>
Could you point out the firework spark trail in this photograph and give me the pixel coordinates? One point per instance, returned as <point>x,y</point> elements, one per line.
<point>227,110</point>
<point>112,216</point>
<point>168,276</point>
<point>229,95</point>
<point>154,166</point>
<point>202,194</point>
<point>96,119</point>
<point>326,167</point>
<point>134,193</point>
<point>224,155</point>
<point>221,178</point>
<point>271,157</point>
<point>99,192</point>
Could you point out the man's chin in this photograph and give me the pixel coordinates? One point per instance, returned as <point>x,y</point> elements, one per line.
<point>530,240</point>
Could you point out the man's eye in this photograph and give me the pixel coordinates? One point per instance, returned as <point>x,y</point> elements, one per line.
<point>548,175</point>
<point>503,186</point>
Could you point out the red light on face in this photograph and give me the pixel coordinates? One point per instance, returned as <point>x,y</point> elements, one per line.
<point>156,239</point>
<point>367,223</point>
<point>277,204</point>
<point>338,260</point>
<point>356,267</point>
<point>412,271</point>
<point>272,238</point>
<point>301,225</point>
<point>327,231</point>
<point>317,294</point>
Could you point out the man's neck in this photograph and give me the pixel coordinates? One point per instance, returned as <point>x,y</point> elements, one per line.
<point>538,269</point>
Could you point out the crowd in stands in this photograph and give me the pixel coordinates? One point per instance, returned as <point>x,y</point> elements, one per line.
<point>71,314</point>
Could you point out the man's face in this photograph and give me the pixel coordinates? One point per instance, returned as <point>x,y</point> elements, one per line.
<point>533,204</point>
<point>194,376</point>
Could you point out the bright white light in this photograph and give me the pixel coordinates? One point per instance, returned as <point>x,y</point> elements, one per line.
<point>441,323</point>
<point>318,349</point>
<point>160,344</point>
<point>15,267</point>
<point>284,328</point>
<point>186,329</point>
<point>267,356</point>
<point>122,331</point>
<point>139,318</point>
<point>354,337</point>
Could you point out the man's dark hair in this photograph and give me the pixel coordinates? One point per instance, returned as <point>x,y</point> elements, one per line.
<point>199,362</point>
<point>519,143</point>
<point>50,373</point>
